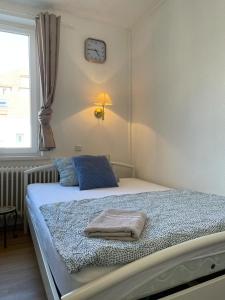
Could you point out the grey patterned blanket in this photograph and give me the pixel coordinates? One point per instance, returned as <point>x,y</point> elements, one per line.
<point>173,217</point>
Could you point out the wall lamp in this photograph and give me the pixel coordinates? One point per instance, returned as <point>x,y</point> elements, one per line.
<point>102,100</point>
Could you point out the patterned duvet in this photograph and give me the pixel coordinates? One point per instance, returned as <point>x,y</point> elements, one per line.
<point>174,216</point>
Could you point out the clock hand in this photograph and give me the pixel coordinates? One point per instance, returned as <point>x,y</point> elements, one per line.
<point>94,50</point>
<point>97,52</point>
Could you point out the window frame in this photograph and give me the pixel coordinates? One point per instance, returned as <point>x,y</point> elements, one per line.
<point>28,30</point>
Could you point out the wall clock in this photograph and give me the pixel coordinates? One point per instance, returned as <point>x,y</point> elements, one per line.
<point>95,50</point>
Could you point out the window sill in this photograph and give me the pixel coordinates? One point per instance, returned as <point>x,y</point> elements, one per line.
<point>24,158</point>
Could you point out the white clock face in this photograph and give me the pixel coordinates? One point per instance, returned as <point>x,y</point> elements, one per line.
<point>95,50</point>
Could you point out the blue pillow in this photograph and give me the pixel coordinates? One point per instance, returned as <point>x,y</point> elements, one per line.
<point>94,172</point>
<point>66,171</point>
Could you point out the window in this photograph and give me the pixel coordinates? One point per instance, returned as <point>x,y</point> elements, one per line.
<point>18,91</point>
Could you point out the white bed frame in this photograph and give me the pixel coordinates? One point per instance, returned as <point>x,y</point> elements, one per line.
<point>132,280</point>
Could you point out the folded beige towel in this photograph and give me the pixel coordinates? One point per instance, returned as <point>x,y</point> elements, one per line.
<point>117,224</point>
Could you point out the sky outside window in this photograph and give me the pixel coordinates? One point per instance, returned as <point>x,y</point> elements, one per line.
<point>14,91</point>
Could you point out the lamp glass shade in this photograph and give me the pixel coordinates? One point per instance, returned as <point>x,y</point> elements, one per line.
<point>103,99</point>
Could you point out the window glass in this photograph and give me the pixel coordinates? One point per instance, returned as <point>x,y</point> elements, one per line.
<point>15,91</point>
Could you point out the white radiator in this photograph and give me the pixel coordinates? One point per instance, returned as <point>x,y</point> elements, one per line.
<point>12,184</point>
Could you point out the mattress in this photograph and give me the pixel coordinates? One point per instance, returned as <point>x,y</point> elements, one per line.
<point>39,194</point>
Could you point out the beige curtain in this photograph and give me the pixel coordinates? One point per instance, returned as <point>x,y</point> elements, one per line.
<point>47,35</point>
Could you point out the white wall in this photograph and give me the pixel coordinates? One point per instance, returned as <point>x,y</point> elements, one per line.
<point>179,95</point>
<point>79,81</point>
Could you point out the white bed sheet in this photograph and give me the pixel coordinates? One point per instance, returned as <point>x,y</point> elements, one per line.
<point>40,194</point>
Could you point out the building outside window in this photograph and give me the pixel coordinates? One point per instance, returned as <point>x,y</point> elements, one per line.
<point>18,90</point>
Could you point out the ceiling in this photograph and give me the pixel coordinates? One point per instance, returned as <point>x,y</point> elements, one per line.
<point>123,13</point>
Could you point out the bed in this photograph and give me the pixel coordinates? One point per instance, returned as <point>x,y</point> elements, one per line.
<point>150,275</point>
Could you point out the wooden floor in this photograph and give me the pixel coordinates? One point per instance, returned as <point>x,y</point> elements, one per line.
<point>19,274</point>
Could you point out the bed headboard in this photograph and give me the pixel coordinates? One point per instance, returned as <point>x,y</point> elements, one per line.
<point>49,173</point>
